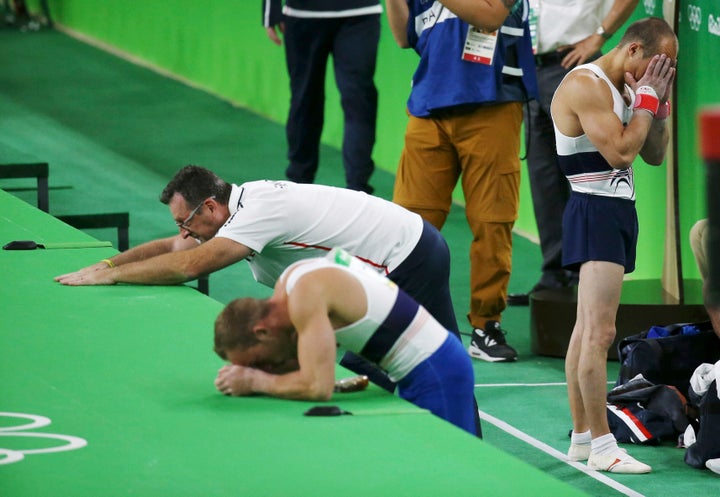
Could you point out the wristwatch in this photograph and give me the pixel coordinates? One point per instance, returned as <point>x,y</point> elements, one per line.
<point>601,31</point>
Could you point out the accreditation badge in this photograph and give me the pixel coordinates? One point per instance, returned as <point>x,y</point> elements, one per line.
<point>480,46</point>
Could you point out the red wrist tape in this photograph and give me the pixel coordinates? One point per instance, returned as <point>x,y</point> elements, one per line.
<point>663,111</point>
<point>646,99</point>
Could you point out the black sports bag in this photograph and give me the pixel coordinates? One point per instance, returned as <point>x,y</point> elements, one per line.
<point>669,360</point>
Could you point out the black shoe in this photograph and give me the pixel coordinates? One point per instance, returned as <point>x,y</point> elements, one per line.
<point>362,188</point>
<point>518,299</point>
<point>490,344</point>
<point>523,299</point>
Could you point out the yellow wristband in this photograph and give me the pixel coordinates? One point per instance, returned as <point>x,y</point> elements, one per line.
<point>108,262</point>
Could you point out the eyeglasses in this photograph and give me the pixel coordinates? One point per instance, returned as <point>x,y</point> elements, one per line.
<point>185,224</point>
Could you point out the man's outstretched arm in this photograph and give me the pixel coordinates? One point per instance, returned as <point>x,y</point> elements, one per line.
<point>167,268</point>
<point>139,253</point>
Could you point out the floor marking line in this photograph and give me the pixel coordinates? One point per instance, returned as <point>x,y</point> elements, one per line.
<point>557,454</point>
<point>556,384</point>
<point>550,384</point>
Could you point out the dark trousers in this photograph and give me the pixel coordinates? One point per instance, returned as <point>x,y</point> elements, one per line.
<point>549,186</point>
<point>425,276</point>
<point>353,43</point>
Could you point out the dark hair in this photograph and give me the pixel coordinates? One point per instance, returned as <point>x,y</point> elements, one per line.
<point>234,324</point>
<point>651,32</point>
<point>195,184</point>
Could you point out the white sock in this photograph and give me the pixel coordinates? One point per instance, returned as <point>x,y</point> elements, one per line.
<point>582,438</point>
<point>604,445</point>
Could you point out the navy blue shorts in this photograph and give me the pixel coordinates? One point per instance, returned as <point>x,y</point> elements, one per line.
<point>597,228</point>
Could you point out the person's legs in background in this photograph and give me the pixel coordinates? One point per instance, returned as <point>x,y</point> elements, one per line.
<point>307,47</point>
<point>488,142</point>
<point>354,52</point>
<point>698,244</point>
<point>549,188</point>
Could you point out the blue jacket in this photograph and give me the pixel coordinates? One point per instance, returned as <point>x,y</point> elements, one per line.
<point>442,79</point>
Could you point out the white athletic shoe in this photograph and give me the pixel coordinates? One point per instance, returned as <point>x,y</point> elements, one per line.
<point>578,452</point>
<point>713,465</point>
<point>618,462</point>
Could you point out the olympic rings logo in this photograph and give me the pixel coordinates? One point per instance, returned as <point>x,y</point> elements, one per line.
<point>9,456</point>
<point>694,17</point>
<point>649,7</point>
<point>714,25</point>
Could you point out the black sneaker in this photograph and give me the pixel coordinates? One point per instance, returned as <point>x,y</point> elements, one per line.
<point>490,345</point>
<point>518,299</point>
<point>523,299</point>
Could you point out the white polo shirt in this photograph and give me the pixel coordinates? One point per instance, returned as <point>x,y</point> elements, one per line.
<point>564,22</point>
<point>283,222</point>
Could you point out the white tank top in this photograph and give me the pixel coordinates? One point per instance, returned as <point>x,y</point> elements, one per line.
<point>581,162</point>
<point>396,333</point>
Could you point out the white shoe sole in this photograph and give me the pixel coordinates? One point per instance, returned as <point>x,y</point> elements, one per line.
<point>713,465</point>
<point>479,354</point>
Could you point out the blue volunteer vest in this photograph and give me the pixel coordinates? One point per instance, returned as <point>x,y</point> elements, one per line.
<point>444,80</point>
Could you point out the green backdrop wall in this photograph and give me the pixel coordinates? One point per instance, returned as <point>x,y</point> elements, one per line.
<point>220,46</point>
